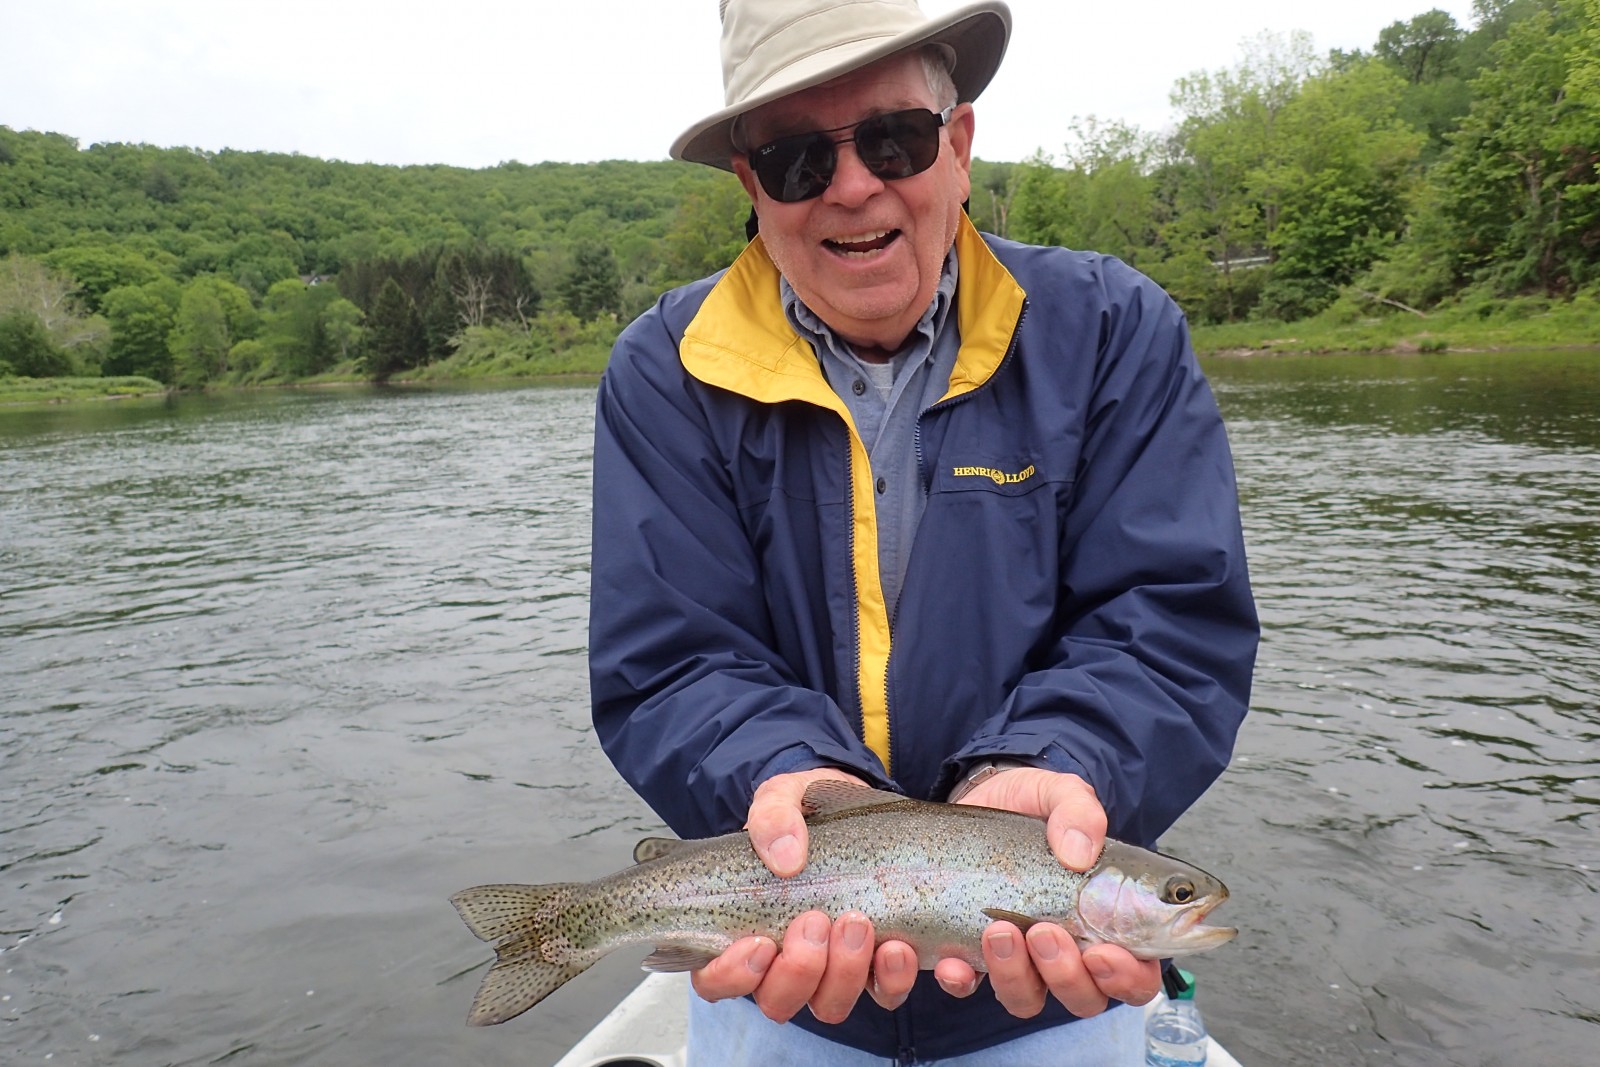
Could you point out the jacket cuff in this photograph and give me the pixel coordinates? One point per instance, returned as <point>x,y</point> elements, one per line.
<point>807,757</point>
<point>1050,757</point>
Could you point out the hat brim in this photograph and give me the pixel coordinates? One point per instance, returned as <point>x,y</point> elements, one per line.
<point>977,34</point>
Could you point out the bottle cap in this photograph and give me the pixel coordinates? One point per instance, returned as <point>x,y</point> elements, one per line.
<point>1178,983</point>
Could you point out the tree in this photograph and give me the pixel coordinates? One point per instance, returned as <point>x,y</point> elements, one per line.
<point>453,299</point>
<point>102,268</point>
<point>26,350</point>
<point>26,284</point>
<point>51,299</point>
<point>1117,204</point>
<point>141,318</point>
<point>1583,81</point>
<point>394,338</point>
<point>291,327</point>
<point>1423,49</point>
<point>994,188</point>
<point>161,186</point>
<point>269,257</point>
<point>707,230</point>
<point>1044,204</point>
<point>341,326</point>
<point>1103,200</point>
<point>1519,185</point>
<point>1225,197</point>
<point>592,286</point>
<point>1345,167</point>
<point>213,314</point>
<point>1428,52</point>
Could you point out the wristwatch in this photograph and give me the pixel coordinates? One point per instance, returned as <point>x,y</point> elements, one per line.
<point>982,771</point>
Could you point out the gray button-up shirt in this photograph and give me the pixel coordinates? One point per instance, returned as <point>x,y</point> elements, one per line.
<point>885,400</point>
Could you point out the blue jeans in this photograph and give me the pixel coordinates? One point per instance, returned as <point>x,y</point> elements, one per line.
<point>734,1033</point>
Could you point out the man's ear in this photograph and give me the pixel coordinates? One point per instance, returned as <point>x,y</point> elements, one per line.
<point>960,131</point>
<point>746,176</point>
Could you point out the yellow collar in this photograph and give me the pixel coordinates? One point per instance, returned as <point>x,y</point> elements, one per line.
<point>741,341</point>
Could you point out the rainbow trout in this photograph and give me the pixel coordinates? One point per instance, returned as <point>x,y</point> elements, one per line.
<point>931,875</point>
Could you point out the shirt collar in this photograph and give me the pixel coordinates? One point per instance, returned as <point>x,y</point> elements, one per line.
<point>808,324</point>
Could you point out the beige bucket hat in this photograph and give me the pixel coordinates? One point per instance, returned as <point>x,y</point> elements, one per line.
<point>771,48</point>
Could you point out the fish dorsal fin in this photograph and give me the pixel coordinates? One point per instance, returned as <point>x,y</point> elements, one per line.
<point>831,796</point>
<point>655,848</point>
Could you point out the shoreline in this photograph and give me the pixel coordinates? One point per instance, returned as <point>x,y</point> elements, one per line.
<point>1270,348</point>
<point>84,391</point>
<point>92,390</point>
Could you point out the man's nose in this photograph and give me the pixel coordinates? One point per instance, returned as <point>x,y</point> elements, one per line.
<point>852,182</point>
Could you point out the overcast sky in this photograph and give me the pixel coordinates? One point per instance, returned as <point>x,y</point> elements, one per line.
<point>477,82</point>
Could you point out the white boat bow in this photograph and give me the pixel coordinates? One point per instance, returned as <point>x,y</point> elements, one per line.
<point>647,1029</point>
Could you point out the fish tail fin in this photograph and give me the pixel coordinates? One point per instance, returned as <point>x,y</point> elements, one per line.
<point>534,954</point>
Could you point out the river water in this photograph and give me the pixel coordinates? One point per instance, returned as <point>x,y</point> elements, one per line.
<point>279,673</point>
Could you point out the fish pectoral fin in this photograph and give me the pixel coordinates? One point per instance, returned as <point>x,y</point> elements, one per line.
<point>830,796</point>
<point>670,959</point>
<point>655,848</point>
<point>1002,915</point>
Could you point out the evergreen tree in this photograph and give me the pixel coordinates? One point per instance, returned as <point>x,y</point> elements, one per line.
<point>442,319</point>
<point>592,286</point>
<point>394,335</point>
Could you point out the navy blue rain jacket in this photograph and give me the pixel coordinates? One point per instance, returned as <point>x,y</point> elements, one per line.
<point>1076,594</point>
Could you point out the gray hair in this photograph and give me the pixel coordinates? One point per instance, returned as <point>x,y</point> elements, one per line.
<point>937,61</point>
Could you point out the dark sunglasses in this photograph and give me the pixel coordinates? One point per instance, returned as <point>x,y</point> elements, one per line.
<point>892,146</point>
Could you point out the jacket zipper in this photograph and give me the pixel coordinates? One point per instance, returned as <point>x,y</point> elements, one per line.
<point>927,487</point>
<point>855,594</point>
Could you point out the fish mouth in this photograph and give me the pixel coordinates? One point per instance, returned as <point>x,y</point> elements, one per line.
<point>1190,929</point>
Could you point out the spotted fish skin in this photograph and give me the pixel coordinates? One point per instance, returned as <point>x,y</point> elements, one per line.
<point>931,875</point>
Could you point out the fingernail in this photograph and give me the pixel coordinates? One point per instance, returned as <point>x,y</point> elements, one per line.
<point>762,956</point>
<point>960,990</point>
<point>894,963</point>
<point>855,933</point>
<point>815,930</point>
<point>784,852</point>
<point>1045,945</point>
<point>1002,945</point>
<point>1077,850</point>
<point>1097,967</point>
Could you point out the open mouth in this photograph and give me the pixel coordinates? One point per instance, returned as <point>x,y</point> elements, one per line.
<point>1191,927</point>
<point>861,244</point>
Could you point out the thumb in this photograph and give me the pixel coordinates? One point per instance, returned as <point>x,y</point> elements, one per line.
<point>776,823</point>
<point>1076,827</point>
<point>777,826</point>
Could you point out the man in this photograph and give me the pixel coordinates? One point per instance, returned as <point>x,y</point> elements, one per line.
<point>895,502</point>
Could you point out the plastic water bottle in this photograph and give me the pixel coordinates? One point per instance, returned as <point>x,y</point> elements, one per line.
<point>1175,1035</point>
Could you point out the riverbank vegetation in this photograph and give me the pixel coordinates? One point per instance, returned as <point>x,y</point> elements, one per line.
<point>1475,323</point>
<point>1440,190</point>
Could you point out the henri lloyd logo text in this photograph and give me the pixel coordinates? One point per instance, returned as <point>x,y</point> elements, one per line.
<point>997,477</point>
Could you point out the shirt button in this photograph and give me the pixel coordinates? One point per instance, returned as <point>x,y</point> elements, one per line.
<point>858,387</point>
<point>882,485</point>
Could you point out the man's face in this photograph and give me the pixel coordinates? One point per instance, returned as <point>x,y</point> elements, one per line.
<point>866,255</point>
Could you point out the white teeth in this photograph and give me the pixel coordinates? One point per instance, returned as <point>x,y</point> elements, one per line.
<point>860,238</point>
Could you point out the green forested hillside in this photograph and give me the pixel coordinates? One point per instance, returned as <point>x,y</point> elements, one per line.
<point>169,248</point>
<point>1447,165</point>
<point>1444,161</point>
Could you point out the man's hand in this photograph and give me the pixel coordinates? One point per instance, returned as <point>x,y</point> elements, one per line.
<point>824,964</point>
<point>1024,968</point>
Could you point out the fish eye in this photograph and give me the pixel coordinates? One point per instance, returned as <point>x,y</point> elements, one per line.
<point>1178,890</point>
